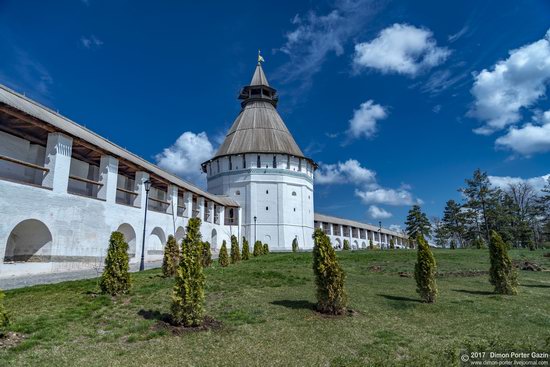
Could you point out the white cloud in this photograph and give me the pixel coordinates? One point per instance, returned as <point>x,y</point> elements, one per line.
<point>91,42</point>
<point>526,140</point>
<point>316,36</point>
<point>396,197</point>
<point>402,49</point>
<point>185,156</point>
<point>503,182</point>
<point>378,213</point>
<point>364,180</point>
<point>456,36</point>
<point>348,172</point>
<point>510,86</point>
<point>363,122</point>
<point>396,227</point>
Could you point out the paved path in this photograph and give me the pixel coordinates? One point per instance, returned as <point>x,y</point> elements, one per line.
<point>26,281</point>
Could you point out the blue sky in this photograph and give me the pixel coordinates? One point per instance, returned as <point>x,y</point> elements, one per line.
<point>398,101</point>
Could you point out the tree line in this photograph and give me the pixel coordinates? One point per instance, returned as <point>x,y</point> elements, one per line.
<point>518,213</point>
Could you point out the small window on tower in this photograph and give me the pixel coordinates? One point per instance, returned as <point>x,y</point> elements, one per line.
<point>293,193</point>
<point>294,209</point>
<point>237,193</point>
<point>258,163</point>
<point>218,162</point>
<point>300,165</point>
<point>230,164</point>
<point>267,191</point>
<point>266,208</point>
<point>244,161</point>
<point>287,162</point>
<point>274,161</point>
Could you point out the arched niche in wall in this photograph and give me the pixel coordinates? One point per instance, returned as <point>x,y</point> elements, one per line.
<point>29,241</point>
<point>130,237</point>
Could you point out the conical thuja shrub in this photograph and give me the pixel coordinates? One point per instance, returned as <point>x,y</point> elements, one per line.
<point>206,255</point>
<point>424,271</point>
<point>329,276</point>
<point>502,273</point>
<point>116,277</point>
<point>346,245</point>
<point>235,252</point>
<point>188,292</point>
<point>171,259</point>
<point>295,245</point>
<point>223,258</point>
<point>246,249</point>
<point>258,248</point>
<point>4,318</point>
<point>265,249</point>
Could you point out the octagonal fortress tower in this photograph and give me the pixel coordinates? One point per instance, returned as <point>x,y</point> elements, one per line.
<point>260,166</point>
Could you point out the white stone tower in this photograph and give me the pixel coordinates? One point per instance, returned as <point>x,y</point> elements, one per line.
<point>260,166</point>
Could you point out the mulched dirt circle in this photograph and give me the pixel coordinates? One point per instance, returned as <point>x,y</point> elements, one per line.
<point>10,340</point>
<point>208,324</point>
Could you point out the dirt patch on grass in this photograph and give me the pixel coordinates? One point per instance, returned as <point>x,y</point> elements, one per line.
<point>10,340</point>
<point>526,265</point>
<point>348,312</point>
<point>375,268</point>
<point>209,323</point>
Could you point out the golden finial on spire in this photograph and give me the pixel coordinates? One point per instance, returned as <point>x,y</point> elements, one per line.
<point>260,58</point>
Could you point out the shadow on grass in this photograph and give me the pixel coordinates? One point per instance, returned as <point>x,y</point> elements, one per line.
<point>154,315</point>
<point>478,293</point>
<point>399,298</point>
<point>295,305</point>
<point>535,285</point>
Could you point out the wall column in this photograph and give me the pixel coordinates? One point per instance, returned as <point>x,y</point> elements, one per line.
<point>108,176</point>
<point>58,160</point>
<point>188,202</point>
<point>139,188</point>
<point>172,194</point>
<point>211,212</point>
<point>221,214</point>
<point>200,203</point>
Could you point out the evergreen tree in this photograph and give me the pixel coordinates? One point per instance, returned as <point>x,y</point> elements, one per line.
<point>235,252</point>
<point>454,222</point>
<point>329,276</point>
<point>295,245</point>
<point>424,271</point>
<point>116,277</point>
<point>171,258</point>
<point>246,249</point>
<point>188,292</point>
<point>478,243</point>
<point>346,245</point>
<point>453,244</point>
<point>223,258</point>
<point>417,223</point>
<point>502,274</point>
<point>481,199</point>
<point>266,249</point>
<point>206,254</point>
<point>4,319</point>
<point>258,249</point>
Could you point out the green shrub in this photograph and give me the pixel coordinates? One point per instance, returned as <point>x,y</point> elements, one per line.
<point>206,255</point>
<point>258,249</point>
<point>295,245</point>
<point>116,277</point>
<point>453,244</point>
<point>223,258</point>
<point>4,319</point>
<point>424,271</point>
<point>266,249</point>
<point>235,252</point>
<point>329,276</point>
<point>371,245</point>
<point>478,243</point>
<point>392,244</point>
<point>502,273</point>
<point>188,292</point>
<point>246,249</point>
<point>171,258</point>
<point>346,245</point>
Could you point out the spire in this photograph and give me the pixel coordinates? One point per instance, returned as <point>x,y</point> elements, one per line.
<point>259,76</point>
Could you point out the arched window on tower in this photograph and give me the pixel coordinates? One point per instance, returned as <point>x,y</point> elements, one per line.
<point>244,160</point>
<point>259,163</point>
<point>287,162</point>
<point>274,161</point>
<point>300,164</point>
<point>218,162</point>
<point>230,164</point>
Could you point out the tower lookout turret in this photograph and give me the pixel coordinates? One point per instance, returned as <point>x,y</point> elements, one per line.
<point>260,165</point>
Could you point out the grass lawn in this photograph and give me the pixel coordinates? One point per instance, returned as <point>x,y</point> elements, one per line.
<point>265,305</point>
